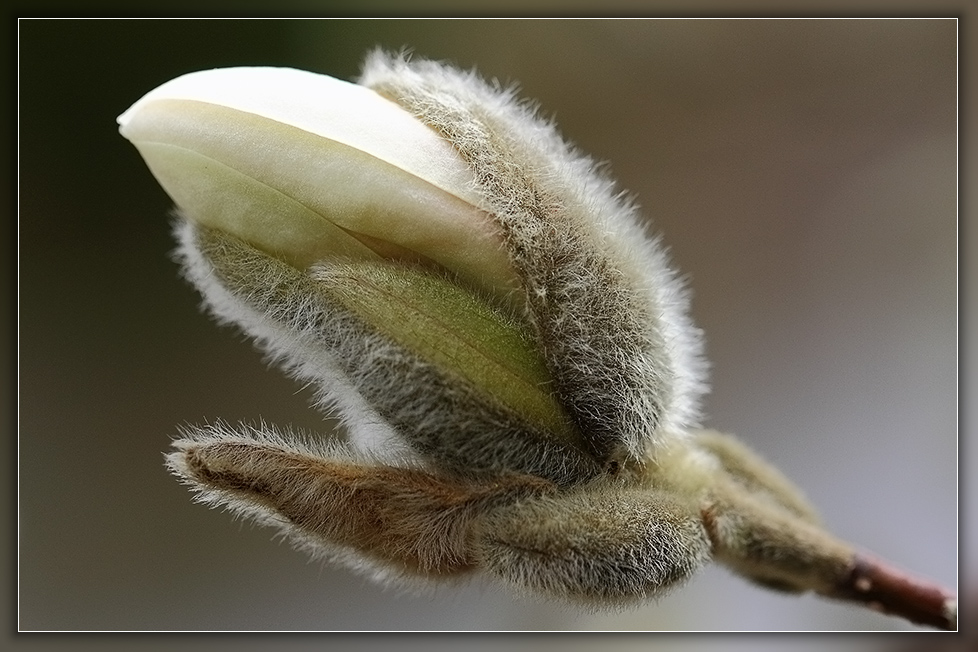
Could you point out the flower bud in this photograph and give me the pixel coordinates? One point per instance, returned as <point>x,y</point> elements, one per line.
<point>346,237</point>
<point>428,167</point>
<point>367,237</point>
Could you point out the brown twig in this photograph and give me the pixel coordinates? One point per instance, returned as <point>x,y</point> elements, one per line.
<point>887,589</point>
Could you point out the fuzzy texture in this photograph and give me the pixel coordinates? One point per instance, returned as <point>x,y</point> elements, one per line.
<point>771,547</point>
<point>286,341</point>
<point>400,524</point>
<point>440,478</point>
<point>757,478</point>
<point>602,546</point>
<point>762,527</point>
<point>610,314</point>
<point>437,417</point>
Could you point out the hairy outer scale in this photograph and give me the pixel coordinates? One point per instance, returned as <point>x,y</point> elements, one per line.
<point>755,476</point>
<point>609,313</point>
<point>441,418</point>
<point>603,545</point>
<point>407,523</point>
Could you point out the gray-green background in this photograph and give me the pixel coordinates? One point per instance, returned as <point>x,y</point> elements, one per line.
<point>803,174</point>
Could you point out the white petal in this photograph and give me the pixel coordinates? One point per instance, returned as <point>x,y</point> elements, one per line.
<point>329,107</point>
<point>305,166</point>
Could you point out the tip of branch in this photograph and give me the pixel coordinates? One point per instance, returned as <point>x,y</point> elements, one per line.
<point>951,612</point>
<point>887,589</point>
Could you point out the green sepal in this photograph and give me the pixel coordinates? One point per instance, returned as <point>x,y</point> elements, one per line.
<point>455,330</point>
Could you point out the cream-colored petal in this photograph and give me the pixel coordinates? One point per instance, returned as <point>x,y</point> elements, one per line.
<point>328,107</point>
<point>306,166</point>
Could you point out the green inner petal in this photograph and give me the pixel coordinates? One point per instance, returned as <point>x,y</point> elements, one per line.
<point>455,330</point>
<point>220,197</point>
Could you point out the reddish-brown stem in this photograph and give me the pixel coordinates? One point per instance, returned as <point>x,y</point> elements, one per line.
<point>889,590</point>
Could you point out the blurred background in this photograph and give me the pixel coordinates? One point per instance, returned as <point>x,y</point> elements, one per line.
<point>803,174</point>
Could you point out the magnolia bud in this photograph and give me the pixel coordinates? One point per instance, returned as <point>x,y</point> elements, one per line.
<point>451,177</point>
<point>471,296</point>
<point>509,351</point>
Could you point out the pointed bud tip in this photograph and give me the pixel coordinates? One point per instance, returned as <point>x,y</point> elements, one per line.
<point>303,166</point>
<point>325,106</point>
